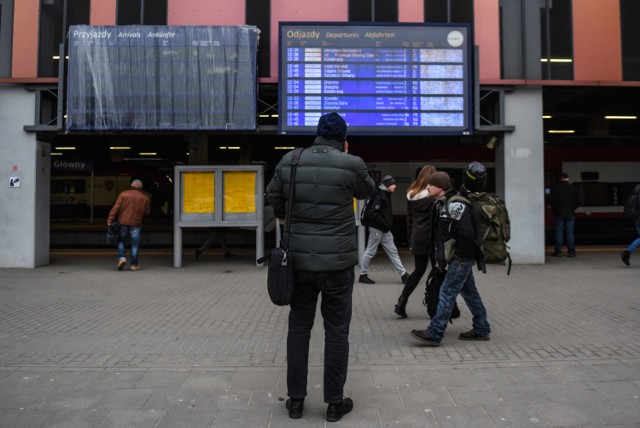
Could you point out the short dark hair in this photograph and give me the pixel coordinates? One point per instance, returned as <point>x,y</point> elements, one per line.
<point>564,176</point>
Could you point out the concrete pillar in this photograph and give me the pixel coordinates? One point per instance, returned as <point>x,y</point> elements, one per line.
<point>24,203</point>
<point>520,180</point>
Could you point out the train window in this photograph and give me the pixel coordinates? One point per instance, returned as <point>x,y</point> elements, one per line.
<point>68,187</point>
<point>589,175</point>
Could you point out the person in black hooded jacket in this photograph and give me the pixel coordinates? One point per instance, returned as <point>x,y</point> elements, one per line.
<point>380,222</point>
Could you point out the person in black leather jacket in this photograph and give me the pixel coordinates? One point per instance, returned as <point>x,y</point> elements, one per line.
<point>454,249</point>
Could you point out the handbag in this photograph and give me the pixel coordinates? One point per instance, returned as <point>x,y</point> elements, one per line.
<point>113,233</point>
<point>280,278</point>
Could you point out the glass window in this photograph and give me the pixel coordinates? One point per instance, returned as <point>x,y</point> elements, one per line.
<point>556,40</point>
<point>141,12</point>
<point>53,30</point>
<point>6,41</point>
<point>448,11</point>
<point>258,13</point>
<point>629,13</point>
<point>373,10</point>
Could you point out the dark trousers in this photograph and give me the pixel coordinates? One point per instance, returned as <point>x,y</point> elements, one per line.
<point>336,288</point>
<point>421,263</point>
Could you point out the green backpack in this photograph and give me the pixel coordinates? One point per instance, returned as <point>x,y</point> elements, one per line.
<point>493,227</point>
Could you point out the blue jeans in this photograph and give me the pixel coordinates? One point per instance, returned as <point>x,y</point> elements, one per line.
<point>635,244</point>
<point>336,288</point>
<point>564,226</point>
<point>133,232</point>
<point>459,280</point>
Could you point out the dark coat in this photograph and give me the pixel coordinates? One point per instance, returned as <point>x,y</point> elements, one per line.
<point>564,199</point>
<point>453,230</point>
<point>419,214</point>
<point>323,228</point>
<point>381,215</point>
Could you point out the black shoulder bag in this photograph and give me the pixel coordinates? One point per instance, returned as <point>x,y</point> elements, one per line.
<point>280,278</point>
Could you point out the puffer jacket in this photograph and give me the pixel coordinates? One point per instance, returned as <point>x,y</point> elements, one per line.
<point>419,213</point>
<point>130,207</point>
<point>323,228</point>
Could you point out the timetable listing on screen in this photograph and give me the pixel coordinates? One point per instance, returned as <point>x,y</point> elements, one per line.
<point>393,79</point>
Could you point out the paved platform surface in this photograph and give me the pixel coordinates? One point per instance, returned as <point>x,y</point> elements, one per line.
<point>83,345</point>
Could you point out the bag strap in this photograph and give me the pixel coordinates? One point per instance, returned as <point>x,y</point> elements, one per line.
<point>295,158</point>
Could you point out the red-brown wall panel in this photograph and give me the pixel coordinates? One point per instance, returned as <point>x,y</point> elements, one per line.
<point>25,39</point>
<point>597,49</point>
<point>410,10</point>
<point>487,37</point>
<point>286,10</point>
<point>206,12</point>
<point>103,12</point>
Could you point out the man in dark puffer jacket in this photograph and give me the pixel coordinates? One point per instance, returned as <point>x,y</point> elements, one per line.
<point>324,248</point>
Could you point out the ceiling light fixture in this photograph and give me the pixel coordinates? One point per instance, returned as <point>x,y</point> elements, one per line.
<point>562,131</point>
<point>119,148</point>
<point>621,117</point>
<point>65,148</point>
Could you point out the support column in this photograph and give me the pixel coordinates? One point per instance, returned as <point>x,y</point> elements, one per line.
<point>198,149</point>
<point>520,174</point>
<point>25,175</point>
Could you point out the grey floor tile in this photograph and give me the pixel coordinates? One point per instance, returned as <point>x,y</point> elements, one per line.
<point>132,418</point>
<point>408,418</point>
<point>569,414</point>
<point>463,417</point>
<point>193,418</point>
<point>69,418</point>
<point>522,416</point>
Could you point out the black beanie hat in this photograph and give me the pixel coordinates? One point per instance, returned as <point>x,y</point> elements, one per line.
<point>332,126</point>
<point>440,179</point>
<point>388,180</point>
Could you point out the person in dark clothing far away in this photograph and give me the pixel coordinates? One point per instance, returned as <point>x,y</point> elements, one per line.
<point>564,201</point>
<point>324,249</point>
<point>626,254</point>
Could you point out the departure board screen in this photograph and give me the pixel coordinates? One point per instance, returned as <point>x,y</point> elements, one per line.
<point>383,79</point>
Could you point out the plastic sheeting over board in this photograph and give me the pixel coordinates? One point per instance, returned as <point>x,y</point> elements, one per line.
<point>139,77</point>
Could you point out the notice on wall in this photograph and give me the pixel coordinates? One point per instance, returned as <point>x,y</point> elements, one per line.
<point>14,181</point>
<point>199,192</point>
<point>239,192</point>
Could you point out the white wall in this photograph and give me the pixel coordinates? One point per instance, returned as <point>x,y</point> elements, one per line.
<point>24,210</point>
<point>521,157</point>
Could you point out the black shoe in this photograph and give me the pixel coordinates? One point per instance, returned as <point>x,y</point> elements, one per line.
<point>401,307</point>
<point>472,335</point>
<point>335,412</point>
<point>364,279</point>
<point>295,408</point>
<point>404,278</point>
<point>556,254</point>
<point>198,254</point>
<point>424,337</point>
<point>625,256</point>
<point>572,255</point>
<point>228,254</point>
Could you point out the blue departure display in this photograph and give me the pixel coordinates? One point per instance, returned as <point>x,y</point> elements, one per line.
<point>384,80</point>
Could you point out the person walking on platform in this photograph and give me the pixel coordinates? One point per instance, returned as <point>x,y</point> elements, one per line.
<point>130,207</point>
<point>419,213</point>
<point>564,201</point>
<point>215,232</point>
<point>324,249</point>
<point>380,221</point>
<point>635,216</point>
<point>454,249</point>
